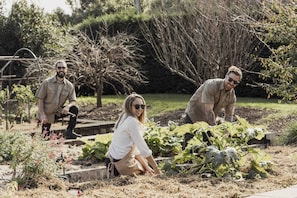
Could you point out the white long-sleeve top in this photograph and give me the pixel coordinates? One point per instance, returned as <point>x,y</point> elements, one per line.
<point>129,132</point>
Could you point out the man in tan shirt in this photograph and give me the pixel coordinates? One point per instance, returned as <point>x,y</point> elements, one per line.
<point>213,97</point>
<point>52,94</point>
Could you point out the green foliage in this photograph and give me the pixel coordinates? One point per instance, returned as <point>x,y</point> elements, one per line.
<point>23,93</point>
<point>95,150</point>
<point>280,26</point>
<point>227,152</point>
<point>123,17</point>
<point>25,97</point>
<point>260,164</point>
<point>100,8</point>
<point>120,17</point>
<point>228,139</point>
<point>28,26</point>
<point>290,134</point>
<point>29,158</point>
<point>3,96</point>
<point>162,142</point>
<point>153,6</point>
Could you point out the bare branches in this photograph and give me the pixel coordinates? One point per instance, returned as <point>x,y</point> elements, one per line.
<point>106,60</point>
<point>203,41</point>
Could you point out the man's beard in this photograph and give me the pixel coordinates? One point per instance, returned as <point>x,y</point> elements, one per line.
<point>61,74</point>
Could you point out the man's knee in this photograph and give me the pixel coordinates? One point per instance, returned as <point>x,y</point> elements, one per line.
<point>73,109</point>
<point>187,119</point>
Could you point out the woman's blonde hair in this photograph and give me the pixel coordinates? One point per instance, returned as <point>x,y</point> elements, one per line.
<point>128,108</point>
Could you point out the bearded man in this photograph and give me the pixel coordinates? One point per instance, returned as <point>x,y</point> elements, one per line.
<point>53,94</point>
<point>213,97</point>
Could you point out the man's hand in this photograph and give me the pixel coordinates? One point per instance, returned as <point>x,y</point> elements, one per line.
<point>65,110</point>
<point>43,119</point>
<point>210,115</point>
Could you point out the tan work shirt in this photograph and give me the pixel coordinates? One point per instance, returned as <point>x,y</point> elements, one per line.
<point>54,95</point>
<point>211,91</point>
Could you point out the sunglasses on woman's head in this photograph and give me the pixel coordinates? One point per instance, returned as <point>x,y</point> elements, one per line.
<point>235,82</point>
<point>137,106</point>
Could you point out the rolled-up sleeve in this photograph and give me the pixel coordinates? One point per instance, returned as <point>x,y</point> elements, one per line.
<point>41,92</point>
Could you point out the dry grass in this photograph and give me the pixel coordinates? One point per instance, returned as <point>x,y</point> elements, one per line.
<point>283,174</point>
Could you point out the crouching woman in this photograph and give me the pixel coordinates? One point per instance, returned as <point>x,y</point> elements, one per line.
<point>128,153</point>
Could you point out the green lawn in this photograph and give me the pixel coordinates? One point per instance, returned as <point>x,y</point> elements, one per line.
<point>162,103</point>
<point>156,103</point>
<point>262,103</point>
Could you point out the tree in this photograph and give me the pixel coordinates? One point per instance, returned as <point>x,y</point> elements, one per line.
<point>1,8</point>
<point>2,22</point>
<point>28,26</point>
<point>200,40</point>
<point>153,6</point>
<point>82,9</point>
<point>138,6</point>
<point>105,60</point>
<point>25,97</point>
<point>278,31</point>
<point>85,8</point>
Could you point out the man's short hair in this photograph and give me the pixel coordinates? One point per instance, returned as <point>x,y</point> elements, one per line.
<point>235,70</point>
<point>61,61</point>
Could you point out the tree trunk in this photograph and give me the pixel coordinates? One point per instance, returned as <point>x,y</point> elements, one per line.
<point>99,91</point>
<point>138,6</point>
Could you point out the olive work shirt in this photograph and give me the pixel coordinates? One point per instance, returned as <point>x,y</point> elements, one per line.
<point>212,91</point>
<point>54,95</point>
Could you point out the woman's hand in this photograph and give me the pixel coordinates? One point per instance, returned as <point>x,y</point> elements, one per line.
<point>150,171</point>
<point>152,163</point>
<point>157,171</point>
<point>153,172</point>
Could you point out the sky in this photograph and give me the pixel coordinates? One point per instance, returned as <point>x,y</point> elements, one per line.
<point>47,5</point>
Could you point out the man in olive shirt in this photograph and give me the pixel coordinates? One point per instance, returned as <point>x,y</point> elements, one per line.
<point>213,97</point>
<point>52,94</point>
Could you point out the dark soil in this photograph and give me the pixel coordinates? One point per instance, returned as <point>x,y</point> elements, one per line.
<point>112,111</point>
<point>252,115</point>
